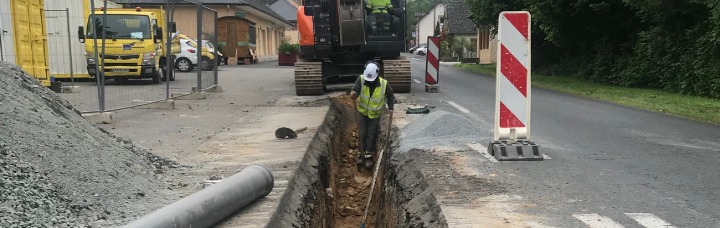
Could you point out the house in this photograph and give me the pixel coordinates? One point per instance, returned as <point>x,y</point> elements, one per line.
<point>427,23</point>
<point>459,26</point>
<point>288,10</point>
<point>270,27</point>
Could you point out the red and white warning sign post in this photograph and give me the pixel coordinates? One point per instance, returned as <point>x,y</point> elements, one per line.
<point>432,65</point>
<point>511,140</point>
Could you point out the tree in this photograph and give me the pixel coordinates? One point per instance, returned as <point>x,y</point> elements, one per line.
<point>670,45</point>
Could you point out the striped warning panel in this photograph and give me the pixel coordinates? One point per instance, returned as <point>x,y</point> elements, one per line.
<point>512,105</point>
<point>432,64</point>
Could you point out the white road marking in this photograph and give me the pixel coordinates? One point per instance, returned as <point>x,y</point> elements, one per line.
<point>459,107</point>
<point>597,221</point>
<point>482,150</point>
<point>417,81</point>
<point>649,220</point>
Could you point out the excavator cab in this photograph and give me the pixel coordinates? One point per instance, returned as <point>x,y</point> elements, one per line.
<point>382,18</point>
<point>337,38</point>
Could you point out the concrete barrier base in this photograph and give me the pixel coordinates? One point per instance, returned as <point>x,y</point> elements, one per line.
<point>432,88</point>
<point>168,104</point>
<point>521,150</point>
<point>99,118</point>
<point>189,96</point>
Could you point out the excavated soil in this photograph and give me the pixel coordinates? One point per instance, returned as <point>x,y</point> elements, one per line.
<point>351,185</point>
<point>328,190</point>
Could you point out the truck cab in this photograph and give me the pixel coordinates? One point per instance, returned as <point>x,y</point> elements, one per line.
<point>133,43</point>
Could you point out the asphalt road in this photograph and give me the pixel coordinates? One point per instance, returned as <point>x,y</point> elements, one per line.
<point>610,166</point>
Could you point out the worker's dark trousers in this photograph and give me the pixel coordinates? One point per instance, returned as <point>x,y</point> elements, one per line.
<point>368,129</point>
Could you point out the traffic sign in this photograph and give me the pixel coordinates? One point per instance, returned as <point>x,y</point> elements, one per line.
<point>414,34</point>
<point>432,65</point>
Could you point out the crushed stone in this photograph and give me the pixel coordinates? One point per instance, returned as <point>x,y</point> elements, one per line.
<point>59,170</point>
<point>441,129</point>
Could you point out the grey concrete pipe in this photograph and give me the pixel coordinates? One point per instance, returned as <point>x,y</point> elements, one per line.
<point>213,204</point>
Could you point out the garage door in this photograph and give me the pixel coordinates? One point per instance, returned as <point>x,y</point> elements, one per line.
<point>31,38</point>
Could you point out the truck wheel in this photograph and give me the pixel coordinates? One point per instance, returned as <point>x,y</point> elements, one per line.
<point>172,76</point>
<point>156,77</point>
<point>184,65</point>
<point>206,64</point>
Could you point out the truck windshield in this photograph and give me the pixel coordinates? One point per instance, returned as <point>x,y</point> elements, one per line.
<point>121,27</point>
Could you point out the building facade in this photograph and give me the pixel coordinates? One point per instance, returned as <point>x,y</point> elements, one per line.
<point>288,10</point>
<point>486,46</point>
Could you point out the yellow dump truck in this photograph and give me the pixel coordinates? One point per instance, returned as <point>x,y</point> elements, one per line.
<point>134,43</point>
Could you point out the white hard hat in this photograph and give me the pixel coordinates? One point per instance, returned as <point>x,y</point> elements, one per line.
<point>371,72</point>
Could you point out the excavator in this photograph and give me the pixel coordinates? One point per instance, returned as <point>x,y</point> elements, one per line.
<point>337,39</point>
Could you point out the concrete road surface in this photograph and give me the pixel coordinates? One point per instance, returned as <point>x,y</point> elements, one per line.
<point>609,166</point>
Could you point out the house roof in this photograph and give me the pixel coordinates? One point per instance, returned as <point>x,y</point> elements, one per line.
<point>458,21</point>
<point>252,3</point>
<point>285,10</point>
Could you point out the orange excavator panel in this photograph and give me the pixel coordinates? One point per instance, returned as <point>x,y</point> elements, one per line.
<point>305,27</point>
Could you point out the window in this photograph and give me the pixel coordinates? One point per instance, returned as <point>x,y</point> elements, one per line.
<point>121,27</point>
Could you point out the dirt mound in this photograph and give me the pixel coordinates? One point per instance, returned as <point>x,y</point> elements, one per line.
<point>60,170</point>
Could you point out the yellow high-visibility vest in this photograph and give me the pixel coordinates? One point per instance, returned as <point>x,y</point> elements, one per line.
<point>371,105</point>
<point>379,6</point>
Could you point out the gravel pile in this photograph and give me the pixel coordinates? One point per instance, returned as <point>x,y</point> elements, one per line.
<point>441,129</point>
<point>30,200</point>
<point>59,170</point>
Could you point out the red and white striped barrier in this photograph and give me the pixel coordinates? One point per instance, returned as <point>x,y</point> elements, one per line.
<point>432,64</point>
<point>512,99</point>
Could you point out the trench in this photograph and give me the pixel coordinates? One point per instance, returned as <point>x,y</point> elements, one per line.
<point>328,190</point>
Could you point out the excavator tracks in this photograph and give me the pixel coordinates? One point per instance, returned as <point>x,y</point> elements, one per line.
<point>308,78</point>
<point>397,72</point>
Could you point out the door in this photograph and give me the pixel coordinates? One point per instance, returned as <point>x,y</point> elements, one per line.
<point>232,39</point>
<point>31,38</point>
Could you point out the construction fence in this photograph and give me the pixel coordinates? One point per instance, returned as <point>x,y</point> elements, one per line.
<point>105,85</point>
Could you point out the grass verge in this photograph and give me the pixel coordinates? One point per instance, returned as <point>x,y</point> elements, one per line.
<point>692,107</point>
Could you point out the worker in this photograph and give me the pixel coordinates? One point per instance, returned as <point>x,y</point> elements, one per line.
<point>374,93</point>
<point>379,14</point>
